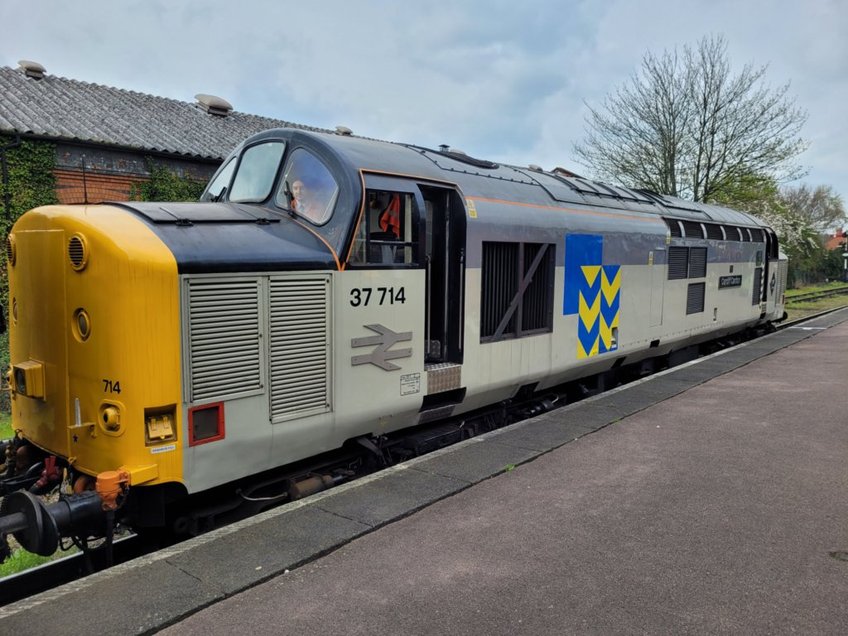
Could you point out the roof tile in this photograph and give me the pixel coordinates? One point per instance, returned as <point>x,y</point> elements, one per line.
<point>80,111</point>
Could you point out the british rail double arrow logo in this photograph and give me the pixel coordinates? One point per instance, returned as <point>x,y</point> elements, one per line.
<point>384,341</point>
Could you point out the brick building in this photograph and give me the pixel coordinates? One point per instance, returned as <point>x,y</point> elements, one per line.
<point>838,241</point>
<point>104,137</point>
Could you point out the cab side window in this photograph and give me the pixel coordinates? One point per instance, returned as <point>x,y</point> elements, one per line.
<point>256,172</point>
<point>308,188</point>
<point>387,234</point>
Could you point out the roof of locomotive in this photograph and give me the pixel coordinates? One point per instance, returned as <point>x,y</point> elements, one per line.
<point>485,179</point>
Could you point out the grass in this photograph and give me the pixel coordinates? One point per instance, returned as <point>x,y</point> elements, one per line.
<point>813,288</point>
<point>805,308</point>
<point>6,431</point>
<point>21,560</point>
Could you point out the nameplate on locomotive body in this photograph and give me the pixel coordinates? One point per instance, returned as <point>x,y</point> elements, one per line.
<point>729,281</point>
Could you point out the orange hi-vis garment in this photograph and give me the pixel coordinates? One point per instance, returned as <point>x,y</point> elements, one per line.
<point>390,217</point>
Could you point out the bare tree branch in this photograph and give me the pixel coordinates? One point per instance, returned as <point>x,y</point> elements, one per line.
<point>685,125</point>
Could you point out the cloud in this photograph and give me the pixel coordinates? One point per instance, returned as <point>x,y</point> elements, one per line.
<point>495,78</point>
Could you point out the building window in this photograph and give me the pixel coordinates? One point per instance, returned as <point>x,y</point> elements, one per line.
<point>517,290</point>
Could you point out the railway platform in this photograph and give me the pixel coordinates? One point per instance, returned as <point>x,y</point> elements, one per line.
<point>709,498</point>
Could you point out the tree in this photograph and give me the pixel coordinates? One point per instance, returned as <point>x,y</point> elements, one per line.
<point>796,216</point>
<point>821,206</point>
<point>760,195</point>
<point>687,126</point>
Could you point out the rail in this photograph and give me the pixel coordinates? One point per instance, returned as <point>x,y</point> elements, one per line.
<point>816,295</point>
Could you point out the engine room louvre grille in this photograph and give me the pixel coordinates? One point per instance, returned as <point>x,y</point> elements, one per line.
<point>537,304</point>
<point>695,298</point>
<point>678,263</point>
<point>693,229</point>
<point>697,262</point>
<point>299,346</point>
<point>673,227</point>
<point>224,338</point>
<point>714,231</point>
<point>500,283</point>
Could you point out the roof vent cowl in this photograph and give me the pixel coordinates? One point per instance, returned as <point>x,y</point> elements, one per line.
<point>32,69</point>
<point>214,105</point>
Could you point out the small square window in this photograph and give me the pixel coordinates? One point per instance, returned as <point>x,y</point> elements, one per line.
<point>388,232</point>
<point>206,423</point>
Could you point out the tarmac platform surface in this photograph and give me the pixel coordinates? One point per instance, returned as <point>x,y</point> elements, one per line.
<point>710,498</point>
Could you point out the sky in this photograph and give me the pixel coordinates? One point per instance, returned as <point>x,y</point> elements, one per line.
<point>499,79</point>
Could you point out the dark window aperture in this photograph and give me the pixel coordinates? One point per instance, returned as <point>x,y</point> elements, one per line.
<point>308,188</point>
<point>732,233</point>
<point>388,232</point>
<point>517,290</point>
<point>673,227</point>
<point>692,229</point>
<point>773,247</point>
<point>205,423</point>
<point>714,232</point>
<point>257,170</point>
<point>757,288</point>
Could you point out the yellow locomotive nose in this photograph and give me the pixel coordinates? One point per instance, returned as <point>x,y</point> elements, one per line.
<point>95,307</point>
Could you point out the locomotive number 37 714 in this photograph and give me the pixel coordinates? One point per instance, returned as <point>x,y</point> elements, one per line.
<point>364,296</point>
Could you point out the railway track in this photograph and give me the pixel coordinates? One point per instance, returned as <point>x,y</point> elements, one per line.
<point>16,587</point>
<point>20,586</point>
<point>817,295</point>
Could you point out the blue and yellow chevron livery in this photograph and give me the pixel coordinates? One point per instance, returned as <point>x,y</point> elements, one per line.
<point>593,293</point>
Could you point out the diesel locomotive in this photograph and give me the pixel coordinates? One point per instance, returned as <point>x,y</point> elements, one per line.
<point>326,292</point>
